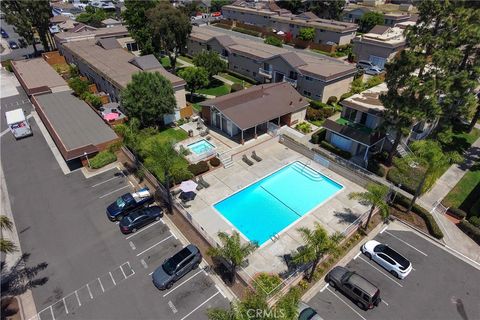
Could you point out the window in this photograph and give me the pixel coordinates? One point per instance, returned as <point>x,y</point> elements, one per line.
<point>307,93</point>
<point>357,292</point>
<point>291,25</point>
<point>365,297</point>
<point>208,47</point>
<point>133,46</point>
<point>308,78</point>
<point>254,74</point>
<point>386,258</point>
<point>350,114</point>
<point>293,75</point>
<point>235,67</point>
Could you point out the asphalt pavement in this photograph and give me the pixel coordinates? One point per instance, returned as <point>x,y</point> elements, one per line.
<point>15,54</point>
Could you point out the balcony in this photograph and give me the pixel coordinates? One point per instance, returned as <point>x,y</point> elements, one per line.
<point>265,73</point>
<point>353,125</point>
<point>418,135</point>
<point>291,81</point>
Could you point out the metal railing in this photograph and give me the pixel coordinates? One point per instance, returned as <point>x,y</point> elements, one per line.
<point>264,72</point>
<point>293,82</point>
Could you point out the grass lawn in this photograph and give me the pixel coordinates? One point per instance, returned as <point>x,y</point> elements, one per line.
<point>235,79</point>
<point>215,88</point>
<point>165,61</point>
<point>185,58</point>
<point>196,107</point>
<point>317,123</point>
<point>466,191</point>
<point>176,134</point>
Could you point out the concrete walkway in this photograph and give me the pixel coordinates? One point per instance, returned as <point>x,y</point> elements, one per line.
<point>224,80</point>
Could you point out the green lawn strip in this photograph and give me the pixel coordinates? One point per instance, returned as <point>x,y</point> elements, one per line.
<point>196,107</point>
<point>317,123</point>
<point>235,79</point>
<point>457,196</point>
<point>216,91</point>
<point>165,61</point>
<point>176,134</point>
<point>185,58</point>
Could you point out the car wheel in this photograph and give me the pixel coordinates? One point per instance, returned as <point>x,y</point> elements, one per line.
<point>368,255</point>
<point>361,305</point>
<point>394,273</point>
<point>195,266</point>
<point>157,218</point>
<point>169,285</point>
<point>134,230</point>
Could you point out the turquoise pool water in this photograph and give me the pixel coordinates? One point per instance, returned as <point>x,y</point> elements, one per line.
<point>201,147</point>
<point>268,206</point>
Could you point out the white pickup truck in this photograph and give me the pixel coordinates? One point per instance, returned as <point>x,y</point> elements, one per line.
<point>18,123</point>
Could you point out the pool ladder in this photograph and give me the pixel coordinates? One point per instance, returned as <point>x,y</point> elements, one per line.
<point>274,237</point>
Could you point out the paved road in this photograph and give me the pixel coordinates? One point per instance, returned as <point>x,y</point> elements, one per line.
<point>441,286</point>
<point>93,270</point>
<point>16,53</point>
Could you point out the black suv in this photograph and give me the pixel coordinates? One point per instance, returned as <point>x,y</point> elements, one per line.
<point>176,267</point>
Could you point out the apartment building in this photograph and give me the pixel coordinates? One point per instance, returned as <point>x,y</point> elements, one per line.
<point>315,76</point>
<point>354,13</point>
<point>380,45</point>
<point>329,31</point>
<point>106,62</point>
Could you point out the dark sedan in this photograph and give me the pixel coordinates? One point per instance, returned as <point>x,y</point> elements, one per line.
<point>4,33</point>
<point>140,218</point>
<point>12,44</point>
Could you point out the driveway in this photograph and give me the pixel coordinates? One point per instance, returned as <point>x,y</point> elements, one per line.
<point>441,286</point>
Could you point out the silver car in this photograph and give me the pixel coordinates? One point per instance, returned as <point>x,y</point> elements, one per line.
<point>305,312</point>
<point>388,258</point>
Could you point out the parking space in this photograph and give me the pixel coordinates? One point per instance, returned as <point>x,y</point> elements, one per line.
<point>441,286</point>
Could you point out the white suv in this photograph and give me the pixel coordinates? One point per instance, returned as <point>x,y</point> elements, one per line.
<point>388,258</point>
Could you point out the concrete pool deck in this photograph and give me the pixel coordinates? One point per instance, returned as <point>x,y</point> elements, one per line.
<point>335,214</point>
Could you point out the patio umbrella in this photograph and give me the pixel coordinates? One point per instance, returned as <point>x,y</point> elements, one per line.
<point>187,186</point>
<point>111,116</point>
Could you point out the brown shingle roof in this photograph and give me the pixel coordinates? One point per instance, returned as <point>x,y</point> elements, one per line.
<point>258,104</point>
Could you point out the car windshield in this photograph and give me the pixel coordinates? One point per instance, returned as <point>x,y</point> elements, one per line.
<point>169,266</point>
<point>307,314</point>
<point>347,276</point>
<point>120,202</point>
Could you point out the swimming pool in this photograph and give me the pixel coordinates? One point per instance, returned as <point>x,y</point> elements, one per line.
<point>201,147</point>
<point>265,208</point>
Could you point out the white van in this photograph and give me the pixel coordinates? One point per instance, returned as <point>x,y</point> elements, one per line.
<point>18,123</point>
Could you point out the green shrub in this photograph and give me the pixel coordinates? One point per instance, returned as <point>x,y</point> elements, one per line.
<point>246,31</point>
<point>470,230</point>
<point>458,213</point>
<point>337,151</point>
<point>101,159</point>
<point>373,81</point>
<point>346,95</point>
<point>92,99</point>
<point>319,114</point>
<point>223,26</point>
<point>198,168</point>
<point>215,162</point>
<point>396,177</point>
<point>332,100</point>
<point>8,65</point>
<point>318,136</point>
<point>304,127</point>
<point>475,221</point>
<point>78,85</point>
<point>306,34</point>
<point>318,105</point>
<point>236,87</point>
<point>274,41</point>
<point>475,209</point>
<point>377,168</point>
<point>114,147</point>
<point>267,284</point>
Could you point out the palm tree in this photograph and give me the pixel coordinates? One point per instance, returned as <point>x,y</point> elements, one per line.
<point>317,244</point>
<point>232,250</point>
<point>6,246</point>
<point>375,196</point>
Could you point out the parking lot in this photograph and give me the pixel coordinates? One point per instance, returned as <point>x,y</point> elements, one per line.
<point>94,271</point>
<point>440,286</point>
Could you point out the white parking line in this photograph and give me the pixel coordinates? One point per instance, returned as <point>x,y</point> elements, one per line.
<point>133,234</point>
<point>78,299</point>
<point>100,183</point>
<point>51,310</point>
<point>381,272</point>
<point>385,228</point>
<point>123,272</point>
<point>201,306</point>
<point>66,309</point>
<point>181,284</point>
<point>356,256</point>
<point>101,285</point>
<point>170,304</point>
<point>221,292</point>
<point>113,280</point>
<point>346,304</point>
<point>325,287</point>
<point>144,264</point>
<point>156,244</point>
<point>385,302</point>
<point>150,273</point>
<point>426,255</point>
<point>89,291</point>
<point>107,194</point>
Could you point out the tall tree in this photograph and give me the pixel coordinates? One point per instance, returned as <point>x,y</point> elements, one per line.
<point>216,5</point>
<point>15,15</point>
<point>317,244</point>
<point>370,20</point>
<point>170,30</point>
<point>136,20</point>
<point>232,250</point>
<point>196,78</point>
<point>41,12</point>
<point>6,245</point>
<point>92,16</point>
<point>211,61</point>
<point>148,97</point>
<point>375,197</point>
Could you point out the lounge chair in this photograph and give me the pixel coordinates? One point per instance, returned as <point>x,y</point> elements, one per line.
<point>199,184</point>
<point>176,192</point>
<point>203,183</point>
<point>203,133</point>
<point>247,161</point>
<point>185,204</point>
<point>255,157</point>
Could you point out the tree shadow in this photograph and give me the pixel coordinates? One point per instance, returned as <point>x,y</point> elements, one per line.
<point>346,216</point>
<point>21,277</point>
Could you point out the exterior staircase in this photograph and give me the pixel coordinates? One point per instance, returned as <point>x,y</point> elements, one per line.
<point>403,150</point>
<point>225,158</point>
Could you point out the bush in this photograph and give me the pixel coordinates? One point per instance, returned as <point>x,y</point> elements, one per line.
<point>101,159</point>
<point>346,95</point>
<point>198,168</point>
<point>92,99</point>
<point>266,284</point>
<point>458,213</point>
<point>246,31</point>
<point>223,26</point>
<point>318,105</point>
<point>318,136</point>
<point>114,147</point>
<point>470,230</point>
<point>236,87</point>
<point>377,168</point>
<point>306,34</point>
<point>332,100</point>
<point>319,114</point>
<point>215,162</point>
<point>78,85</point>
<point>337,151</point>
<point>396,177</point>
<point>8,65</point>
<point>274,41</point>
<point>475,221</point>
<point>304,127</point>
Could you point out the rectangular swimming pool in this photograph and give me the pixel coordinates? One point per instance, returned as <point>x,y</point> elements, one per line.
<point>201,147</point>
<point>265,208</point>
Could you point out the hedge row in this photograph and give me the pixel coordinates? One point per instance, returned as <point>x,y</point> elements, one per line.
<point>470,230</point>
<point>101,159</point>
<point>337,151</point>
<point>198,168</point>
<point>319,114</point>
<point>318,136</point>
<point>377,168</point>
<point>432,225</point>
<point>246,31</point>
<point>458,213</point>
<point>395,176</point>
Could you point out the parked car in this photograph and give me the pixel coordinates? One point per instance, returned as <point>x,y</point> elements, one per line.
<point>4,33</point>
<point>375,70</point>
<point>22,43</point>
<point>305,312</point>
<point>140,218</point>
<point>388,258</point>
<point>127,203</point>
<point>12,44</point>
<point>361,291</point>
<point>176,267</point>
<point>365,64</point>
